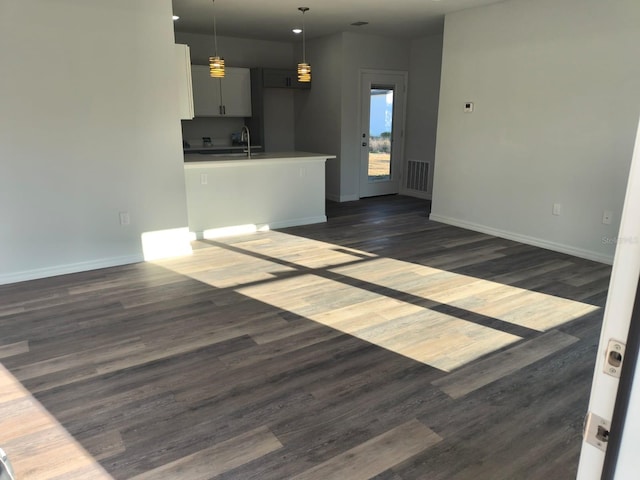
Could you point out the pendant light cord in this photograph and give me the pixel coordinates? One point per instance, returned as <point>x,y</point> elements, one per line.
<point>304,34</point>
<point>215,36</point>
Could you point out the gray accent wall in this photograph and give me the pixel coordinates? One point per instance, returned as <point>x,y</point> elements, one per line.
<point>422,101</point>
<point>318,113</point>
<point>238,52</point>
<point>328,120</point>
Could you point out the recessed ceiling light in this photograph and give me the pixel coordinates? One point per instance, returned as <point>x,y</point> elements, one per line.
<point>176,17</point>
<point>359,24</point>
<point>297,31</point>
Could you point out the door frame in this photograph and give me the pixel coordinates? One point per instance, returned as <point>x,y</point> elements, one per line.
<point>615,326</point>
<point>399,123</point>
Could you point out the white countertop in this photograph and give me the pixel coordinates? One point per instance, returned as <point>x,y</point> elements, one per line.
<point>201,160</point>
<point>195,148</point>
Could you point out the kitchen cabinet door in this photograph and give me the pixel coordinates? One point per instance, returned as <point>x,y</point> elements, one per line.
<point>282,78</point>
<point>229,96</point>
<point>236,92</point>
<point>207,97</point>
<point>185,88</point>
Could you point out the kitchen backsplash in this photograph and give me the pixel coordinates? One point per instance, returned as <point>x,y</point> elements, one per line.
<point>219,130</point>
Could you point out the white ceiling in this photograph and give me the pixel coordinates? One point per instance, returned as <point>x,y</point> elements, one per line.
<point>274,19</point>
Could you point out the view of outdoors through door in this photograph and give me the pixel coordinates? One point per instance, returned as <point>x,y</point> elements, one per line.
<point>382,103</point>
<point>380,133</point>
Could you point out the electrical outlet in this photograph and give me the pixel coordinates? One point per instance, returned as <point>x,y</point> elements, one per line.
<point>204,179</point>
<point>607,217</point>
<point>557,209</point>
<point>124,218</point>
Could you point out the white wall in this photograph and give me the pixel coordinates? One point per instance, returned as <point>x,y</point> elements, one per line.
<point>422,101</point>
<point>556,93</point>
<point>89,128</point>
<point>251,191</point>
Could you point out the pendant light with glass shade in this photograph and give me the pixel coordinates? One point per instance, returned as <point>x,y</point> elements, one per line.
<point>216,63</point>
<point>304,69</point>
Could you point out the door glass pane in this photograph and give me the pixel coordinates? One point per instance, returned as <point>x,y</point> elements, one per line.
<point>380,129</point>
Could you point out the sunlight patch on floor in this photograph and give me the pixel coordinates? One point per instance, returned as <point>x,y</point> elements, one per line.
<point>38,447</point>
<point>534,310</point>
<point>388,302</point>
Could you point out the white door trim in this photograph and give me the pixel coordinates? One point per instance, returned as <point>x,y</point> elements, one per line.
<point>399,125</point>
<point>617,318</point>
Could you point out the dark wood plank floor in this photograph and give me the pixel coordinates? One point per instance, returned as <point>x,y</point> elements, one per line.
<point>378,345</point>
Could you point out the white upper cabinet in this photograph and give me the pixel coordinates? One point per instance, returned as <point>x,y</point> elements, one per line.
<point>185,88</point>
<point>207,99</point>
<point>221,97</point>
<point>236,92</point>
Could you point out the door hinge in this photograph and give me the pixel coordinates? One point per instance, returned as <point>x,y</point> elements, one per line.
<point>596,431</point>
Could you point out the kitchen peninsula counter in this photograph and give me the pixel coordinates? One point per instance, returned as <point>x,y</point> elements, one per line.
<point>268,190</point>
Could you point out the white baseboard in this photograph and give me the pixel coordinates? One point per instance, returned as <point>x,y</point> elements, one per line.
<point>342,198</point>
<point>295,222</point>
<point>69,268</point>
<point>415,193</point>
<point>247,229</point>
<point>349,198</point>
<point>352,198</point>
<point>536,242</point>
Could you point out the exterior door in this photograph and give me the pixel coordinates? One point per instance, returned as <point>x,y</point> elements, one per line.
<point>382,105</point>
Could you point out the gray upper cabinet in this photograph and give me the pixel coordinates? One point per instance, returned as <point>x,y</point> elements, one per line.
<point>221,97</point>
<point>282,78</point>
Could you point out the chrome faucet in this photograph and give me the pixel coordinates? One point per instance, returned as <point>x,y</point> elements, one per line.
<point>246,137</point>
